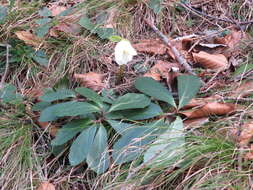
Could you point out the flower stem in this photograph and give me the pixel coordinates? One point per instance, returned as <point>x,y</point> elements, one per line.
<point>120,74</point>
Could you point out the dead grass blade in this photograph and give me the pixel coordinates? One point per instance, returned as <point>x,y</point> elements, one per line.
<point>29,38</point>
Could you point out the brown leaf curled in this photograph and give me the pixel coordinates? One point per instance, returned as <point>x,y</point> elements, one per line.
<point>91,80</point>
<point>29,38</point>
<point>211,108</point>
<point>211,61</point>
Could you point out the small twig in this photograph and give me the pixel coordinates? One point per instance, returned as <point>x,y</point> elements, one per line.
<point>6,66</point>
<point>177,54</point>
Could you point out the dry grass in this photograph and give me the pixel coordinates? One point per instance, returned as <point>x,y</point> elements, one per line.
<point>25,152</point>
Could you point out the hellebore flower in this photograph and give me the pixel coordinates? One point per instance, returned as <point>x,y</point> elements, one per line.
<point>124,52</point>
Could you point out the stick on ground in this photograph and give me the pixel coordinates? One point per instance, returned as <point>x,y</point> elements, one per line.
<point>182,61</point>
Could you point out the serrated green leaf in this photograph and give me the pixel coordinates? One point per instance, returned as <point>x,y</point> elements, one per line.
<point>43,21</point>
<point>115,38</point>
<point>130,145</point>
<point>8,94</point>
<point>90,94</point>
<point>87,24</point>
<point>3,14</point>
<point>188,86</point>
<point>155,5</point>
<point>120,127</point>
<point>45,12</point>
<point>57,95</point>
<point>69,131</point>
<point>168,147</point>
<point>71,108</point>
<point>98,157</point>
<point>82,145</point>
<point>154,89</point>
<point>130,101</point>
<point>151,111</point>
<point>40,57</point>
<point>40,106</point>
<point>105,33</point>
<point>42,30</point>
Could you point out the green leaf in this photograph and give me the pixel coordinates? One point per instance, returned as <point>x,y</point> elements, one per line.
<point>42,30</point>
<point>188,86</point>
<point>105,33</point>
<point>151,111</point>
<point>43,21</point>
<point>3,14</point>
<point>71,108</point>
<point>57,95</point>
<point>120,127</point>
<point>243,69</point>
<point>90,94</point>
<point>45,12</point>
<point>82,146</point>
<point>40,106</point>
<point>130,101</point>
<point>130,145</point>
<point>153,88</point>
<point>168,147</point>
<point>8,94</point>
<point>115,38</point>
<point>155,5</point>
<point>40,57</point>
<point>87,24</point>
<point>69,131</point>
<point>98,157</point>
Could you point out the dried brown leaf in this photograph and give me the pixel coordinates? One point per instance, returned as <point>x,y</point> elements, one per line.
<point>29,38</point>
<point>69,28</point>
<point>46,186</point>
<point>211,61</point>
<point>246,134</point>
<point>195,123</point>
<point>233,39</point>
<point>91,80</point>
<point>152,46</point>
<point>211,108</point>
<point>163,69</point>
<point>245,89</point>
<point>198,102</point>
<point>50,128</point>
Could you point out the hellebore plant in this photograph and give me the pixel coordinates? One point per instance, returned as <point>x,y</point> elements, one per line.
<point>124,53</point>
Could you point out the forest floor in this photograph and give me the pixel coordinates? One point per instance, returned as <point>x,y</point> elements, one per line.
<point>47,45</point>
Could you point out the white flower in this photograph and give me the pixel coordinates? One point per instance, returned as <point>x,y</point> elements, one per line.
<point>124,52</point>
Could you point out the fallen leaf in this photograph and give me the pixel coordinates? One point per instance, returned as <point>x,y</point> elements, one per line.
<point>69,28</point>
<point>182,45</point>
<point>198,102</point>
<point>211,108</point>
<point>246,134</point>
<point>91,80</point>
<point>29,38</point>
<point>245,89</point>
<point>51,129</point>
<point>233,39</point>
<point>46,186</point>
<point>163,69</point>
<point>195,123</point>
<point>211,61</point>
<point>152,46</point>
<point>57,9</point>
